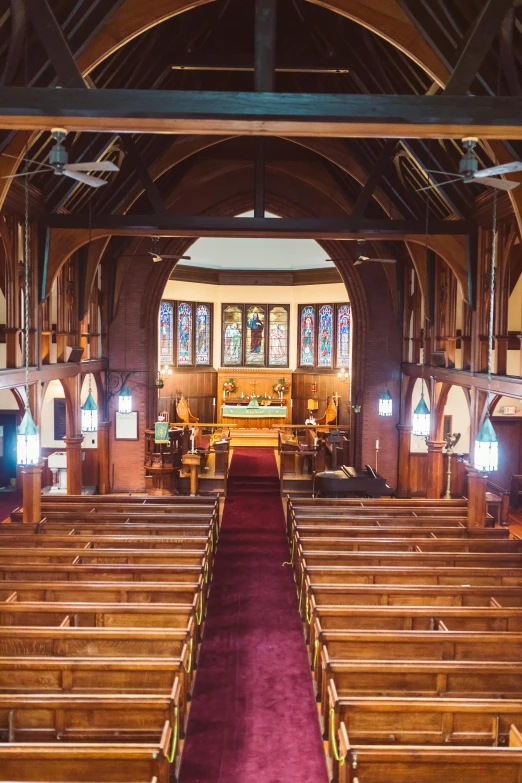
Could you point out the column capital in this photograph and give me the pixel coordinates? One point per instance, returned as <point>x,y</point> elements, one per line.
<point>435,445</point>
<point>404,427</point>
<point>104,426</point>
<point>73,441</point>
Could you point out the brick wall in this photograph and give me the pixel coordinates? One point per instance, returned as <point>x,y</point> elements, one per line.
<point>129,350</point>
<point>382,358</point>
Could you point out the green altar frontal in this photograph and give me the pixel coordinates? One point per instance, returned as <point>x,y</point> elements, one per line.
<point>256,411</point>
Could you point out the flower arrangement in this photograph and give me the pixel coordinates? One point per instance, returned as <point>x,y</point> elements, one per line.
<point>280,386</point>
<point>229,386</point>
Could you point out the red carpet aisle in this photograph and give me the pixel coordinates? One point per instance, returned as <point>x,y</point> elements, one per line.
<point>253,717</point>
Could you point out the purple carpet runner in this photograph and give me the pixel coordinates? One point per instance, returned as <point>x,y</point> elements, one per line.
<point>253,717</point>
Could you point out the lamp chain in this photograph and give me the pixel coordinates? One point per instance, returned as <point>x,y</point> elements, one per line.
<point>26,269</point>
<point>492,297</point>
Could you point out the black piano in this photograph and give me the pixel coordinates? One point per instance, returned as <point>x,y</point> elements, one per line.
<point>348,481</point>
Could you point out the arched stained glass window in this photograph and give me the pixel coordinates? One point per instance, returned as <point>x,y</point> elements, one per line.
<point>325,336</point>
<point>343,335</point>
<point>307,337</point>
<point>184,333</point>
<point>202,334</point>
<point>233,335</point>
<point>166,317</point>
<point>278,337</point>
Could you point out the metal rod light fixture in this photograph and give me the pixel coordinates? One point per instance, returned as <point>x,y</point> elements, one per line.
<point>486,442</point>
<point>27,437</point>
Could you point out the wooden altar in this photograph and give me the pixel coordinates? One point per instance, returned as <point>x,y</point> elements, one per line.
<point>258,381</point>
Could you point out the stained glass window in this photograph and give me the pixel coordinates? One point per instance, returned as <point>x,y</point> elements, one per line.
<point>307,341</point>
<point>184,333</point>
<point>233,335</point>
<point>343,335</point>
<point>278,337</point>
<point>325,336</point>
<point>202,335</point>
<point>166,316</point>
<point>255,336</point>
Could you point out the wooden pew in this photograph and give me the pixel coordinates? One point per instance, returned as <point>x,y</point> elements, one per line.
<point>408,618</point>
<point>103,556</point>
<point>105,572</point>
<point>414,763</point>
<point>93,763</point>
<point>413,575</point>
<point>306,532</point>
<point>98,615</point>
<point>68,717</point>
<point>414,721</point>
<point>428,679</point>
<point>342,546</point>
<point>105,592</point>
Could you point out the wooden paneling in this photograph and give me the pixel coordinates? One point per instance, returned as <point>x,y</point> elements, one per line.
<point>198,386</point>
<point>90,471</point>
<point>327,384</point>
<point>264,379</point>
<point>509,433</point>
<point>419,475</point>
<point>191,274</point>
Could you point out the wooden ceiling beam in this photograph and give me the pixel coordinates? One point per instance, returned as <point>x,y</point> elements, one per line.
<point>239,113</point>
<point>478,43</point>
<point>69,75</point>
<point>366,194</point>
<point>265,45</point>
<point>208,225</point>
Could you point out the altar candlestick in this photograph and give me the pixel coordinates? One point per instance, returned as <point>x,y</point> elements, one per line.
<point>376,456</point>
<point>193,439</point>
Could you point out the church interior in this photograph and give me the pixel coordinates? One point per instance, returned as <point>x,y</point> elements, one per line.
<point>261,391</point>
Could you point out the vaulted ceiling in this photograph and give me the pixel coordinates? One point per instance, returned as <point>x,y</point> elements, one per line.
<point>211,46</point>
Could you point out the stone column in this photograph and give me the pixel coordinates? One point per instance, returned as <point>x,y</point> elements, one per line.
<point>403,473</point>
<point>32,493</point>
<point>477,509</point>
<point>435,469</point>
<point>73,447</point>
<point>104,486</point>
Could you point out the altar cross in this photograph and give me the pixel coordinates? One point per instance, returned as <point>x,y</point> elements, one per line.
<point>336,398</point>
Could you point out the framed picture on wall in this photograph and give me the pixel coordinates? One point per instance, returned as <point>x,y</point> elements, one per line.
<point>126,426</point>
<point>59,418</point>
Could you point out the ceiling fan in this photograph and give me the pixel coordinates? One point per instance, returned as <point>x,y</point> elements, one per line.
<point>362,258</point>
<point>470,172</point>
<point>59,164</point>
<point>157,256</point>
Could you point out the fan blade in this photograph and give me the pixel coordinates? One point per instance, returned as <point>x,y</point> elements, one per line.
<point>503,168</point>
<point>439,184</point>
<point>23,174</point>
<point>178,258</point>
<point>37,163</point>
<point>381,260</point>
<point>499,184</point>
<point>104,165</point>
<point>93,182</point>
<point>437,171</point>
<point>156,257</point>
<point>358,262</point>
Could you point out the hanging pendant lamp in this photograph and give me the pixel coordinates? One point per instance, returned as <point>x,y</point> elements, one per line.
<point>385,403</point>
<point>421,418</point>
<point>27,437</point>
<point>486,448</point>
<point>125,400</point>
